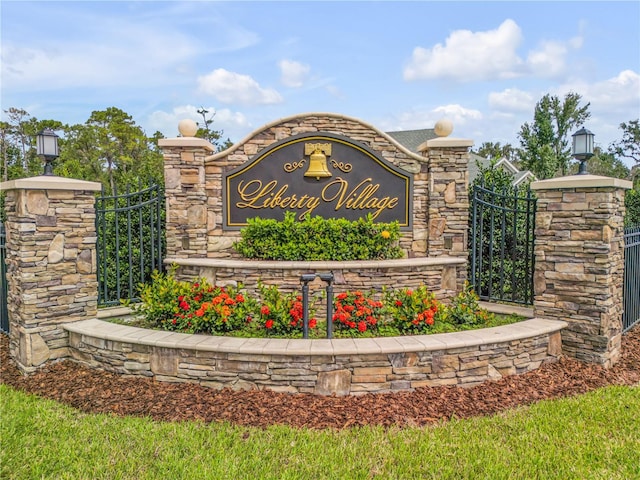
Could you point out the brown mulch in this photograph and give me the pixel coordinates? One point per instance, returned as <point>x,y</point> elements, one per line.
<point>102,392</point>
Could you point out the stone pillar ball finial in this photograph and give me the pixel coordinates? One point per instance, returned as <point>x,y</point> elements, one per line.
<point>443,127</point>
<point>187,128</point>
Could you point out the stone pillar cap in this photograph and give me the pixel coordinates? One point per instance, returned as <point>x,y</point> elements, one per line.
<point>581,181</point>
<point>445,142</point>
<point>186,142</point>
<point>49,182</point>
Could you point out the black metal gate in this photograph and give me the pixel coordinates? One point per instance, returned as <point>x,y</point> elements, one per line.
<point>130,243</point>
<point>631,288</point>
<point>4,314</point>
<point>501,240</point>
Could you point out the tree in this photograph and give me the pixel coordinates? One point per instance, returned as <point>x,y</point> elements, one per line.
<point>632,204</point>
<point>605,164</point>
<point>495,151</point>
<point>112,149</point>
<point>17,144</point>
<point>545,143</point>
<point>629,145</point>
<point>205,131</point>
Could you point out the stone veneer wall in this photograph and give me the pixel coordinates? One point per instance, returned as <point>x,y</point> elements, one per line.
<point>193,186</point>
<point>193,189</point>
<point>343,366</point>
<point>448,197</point>
<point>579,262</point>
<point>51,264</point>
<point>442,275</point>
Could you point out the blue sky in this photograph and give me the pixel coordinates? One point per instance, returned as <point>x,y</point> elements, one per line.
<point>396,65</point>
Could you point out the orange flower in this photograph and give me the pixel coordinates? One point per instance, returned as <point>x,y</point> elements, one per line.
<point>385,234</point>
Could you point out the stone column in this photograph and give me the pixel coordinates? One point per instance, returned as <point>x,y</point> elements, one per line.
<point>51,264</point>
<point>579,262</point>
<point>184,176</point>
<point>448,205</point>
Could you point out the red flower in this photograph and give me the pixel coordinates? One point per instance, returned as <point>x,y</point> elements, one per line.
<point>312,323</point>
<point>398,303</point>
<point>239,298</point>
<point>265,311</point>
<point>362,327</point>
<point>184,305</point>
<point>269,324</point>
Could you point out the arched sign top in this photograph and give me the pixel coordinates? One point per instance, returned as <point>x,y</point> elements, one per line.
<point>317,173</point>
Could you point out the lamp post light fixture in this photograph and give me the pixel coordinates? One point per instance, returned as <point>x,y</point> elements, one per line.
<point>582,148</point>
<point>47,147</point>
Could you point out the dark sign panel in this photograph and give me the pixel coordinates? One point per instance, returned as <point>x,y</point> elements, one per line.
<point>319,174</point>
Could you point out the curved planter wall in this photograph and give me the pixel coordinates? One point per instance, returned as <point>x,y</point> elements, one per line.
<point>339,366</point>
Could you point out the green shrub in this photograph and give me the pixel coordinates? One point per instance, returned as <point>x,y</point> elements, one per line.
<point>411,311</point>
<point>465,309</point>
<point>356,313</point>
<point>193,307</point>
<point>317,238</point>
<point>281,314</point>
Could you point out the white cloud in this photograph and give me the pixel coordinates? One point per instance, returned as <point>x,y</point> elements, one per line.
<point>233,124</point>
<point>231,87</point>
<point>293,73</point>
<point>490,55</point>
<point>549,60</point>
<point>418,119</point>
<point>512,100</point>
<point>131,54</point>
<point>618,93</point>
<point>470,56</point>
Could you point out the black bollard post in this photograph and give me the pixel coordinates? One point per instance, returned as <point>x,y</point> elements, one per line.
<point>305,279</point>
<point>328,278</point>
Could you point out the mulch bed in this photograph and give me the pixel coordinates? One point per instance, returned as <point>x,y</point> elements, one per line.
<point>95,391</point>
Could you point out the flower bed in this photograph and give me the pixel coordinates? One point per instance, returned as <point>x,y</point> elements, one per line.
<point>199,307</point>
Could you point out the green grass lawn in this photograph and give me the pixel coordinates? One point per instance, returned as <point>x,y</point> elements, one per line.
<point>593,436</point>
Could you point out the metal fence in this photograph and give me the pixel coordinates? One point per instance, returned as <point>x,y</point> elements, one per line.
<point>4,314</point>
<point>130,243</point>
<point>502,224</point>
<point>631,288</point>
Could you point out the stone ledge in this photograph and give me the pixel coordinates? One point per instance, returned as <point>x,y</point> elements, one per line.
<point>50,182</point>
<point>581,181</point>
<point>317,265</point>
<point>341,346</point>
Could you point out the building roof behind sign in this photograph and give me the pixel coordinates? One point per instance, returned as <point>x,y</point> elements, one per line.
<point>412,139</point>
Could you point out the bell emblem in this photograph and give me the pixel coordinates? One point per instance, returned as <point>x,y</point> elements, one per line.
<point>317,165</point>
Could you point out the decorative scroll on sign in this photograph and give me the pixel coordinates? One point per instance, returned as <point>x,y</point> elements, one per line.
<point>317,174</point>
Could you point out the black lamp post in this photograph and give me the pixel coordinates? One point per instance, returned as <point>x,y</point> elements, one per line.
<point>47,147</point>
<point>582,148</point>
